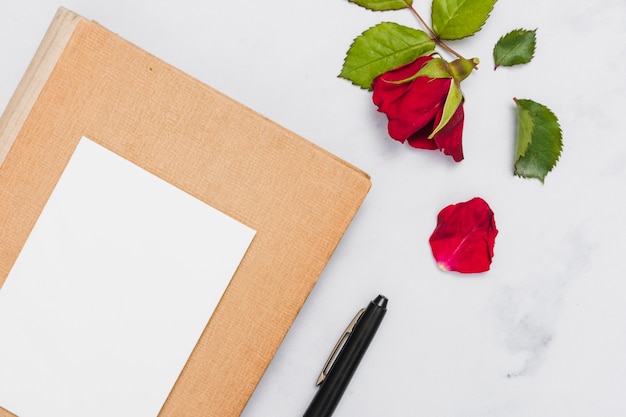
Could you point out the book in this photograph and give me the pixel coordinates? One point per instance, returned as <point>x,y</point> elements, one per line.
<point>85,81</point>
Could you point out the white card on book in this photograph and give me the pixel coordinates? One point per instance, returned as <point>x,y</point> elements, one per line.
<point>111,291</point>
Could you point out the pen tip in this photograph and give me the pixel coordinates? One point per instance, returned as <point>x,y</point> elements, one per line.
<point>381,301</point>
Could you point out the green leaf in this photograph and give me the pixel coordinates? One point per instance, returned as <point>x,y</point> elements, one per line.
<point>382,5</point>
<point>453,101</point>
<point>539,140</point>
<point>456,19</point>
<point>382,48</point>
<point>514,48</point>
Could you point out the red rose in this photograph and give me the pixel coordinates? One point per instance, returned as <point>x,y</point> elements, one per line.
<point>464,238</point>
<point>415,108</point>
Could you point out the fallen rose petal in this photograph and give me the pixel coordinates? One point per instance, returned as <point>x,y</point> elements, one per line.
<point>464,238</point>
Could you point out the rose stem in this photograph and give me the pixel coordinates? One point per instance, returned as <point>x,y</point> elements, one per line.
<point>433,35</point>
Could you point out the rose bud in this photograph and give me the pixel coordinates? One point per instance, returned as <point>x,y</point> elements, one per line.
<point>424,104</point>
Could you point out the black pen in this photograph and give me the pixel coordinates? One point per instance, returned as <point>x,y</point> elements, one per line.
<point>352,345</point>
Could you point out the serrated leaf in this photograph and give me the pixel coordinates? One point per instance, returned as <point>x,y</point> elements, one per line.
<point>382,48</point>
<point>382,5</point>
<point>539,140</point>
<point>456,19</point>
<point>514,48</point>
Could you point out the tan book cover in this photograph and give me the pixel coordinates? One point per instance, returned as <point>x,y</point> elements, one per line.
<point>86,81</point>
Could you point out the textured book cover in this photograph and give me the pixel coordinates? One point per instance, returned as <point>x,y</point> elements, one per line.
<point>85,81</point>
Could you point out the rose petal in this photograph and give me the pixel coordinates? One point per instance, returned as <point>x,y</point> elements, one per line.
<point>394,91</point>
<point>449,138</point>
<point>420,139</point>
<point>412,105</point>
<point>464,238</point>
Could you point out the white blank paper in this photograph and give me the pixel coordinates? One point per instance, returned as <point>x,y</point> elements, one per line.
<point>111,291</point>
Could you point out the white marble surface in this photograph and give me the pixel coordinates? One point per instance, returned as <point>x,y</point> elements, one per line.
<point>542,334</point>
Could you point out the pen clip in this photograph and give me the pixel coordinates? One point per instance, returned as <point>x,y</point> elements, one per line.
<point>338,346</point>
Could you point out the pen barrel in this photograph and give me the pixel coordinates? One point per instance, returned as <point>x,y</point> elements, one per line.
<point>333,387</point>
